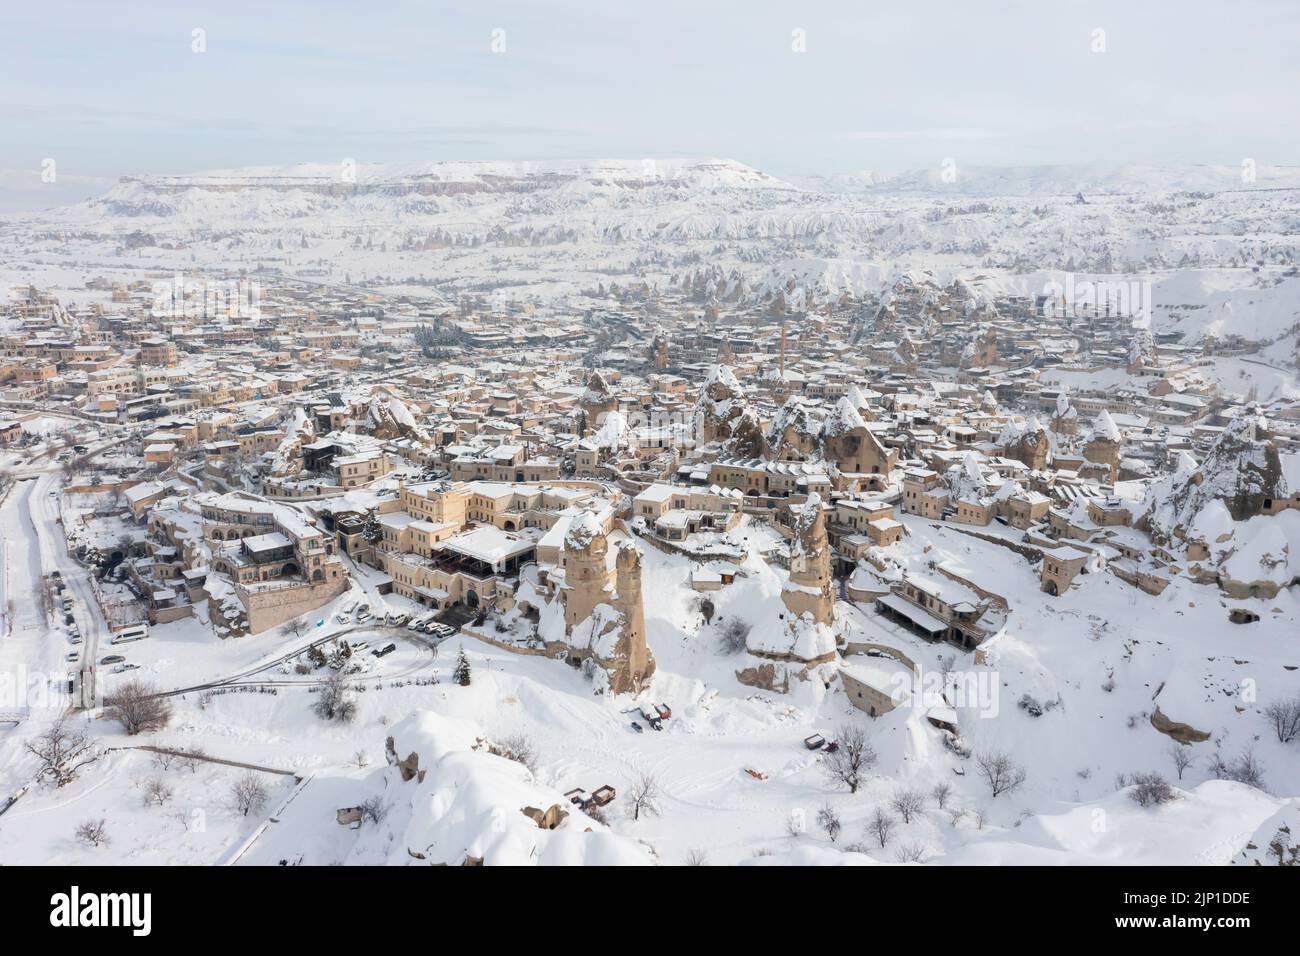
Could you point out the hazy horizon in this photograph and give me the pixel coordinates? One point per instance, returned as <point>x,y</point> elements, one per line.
<point>790,90</point>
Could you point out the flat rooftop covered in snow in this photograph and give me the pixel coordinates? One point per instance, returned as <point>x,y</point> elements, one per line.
<point>489,544</point>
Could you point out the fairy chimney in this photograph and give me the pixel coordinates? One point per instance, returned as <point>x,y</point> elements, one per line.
<point>809,587</point>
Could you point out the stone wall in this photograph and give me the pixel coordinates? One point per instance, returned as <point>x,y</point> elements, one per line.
<point>271,607</point>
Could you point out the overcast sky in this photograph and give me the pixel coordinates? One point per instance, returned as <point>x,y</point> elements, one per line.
<point>106,89</point>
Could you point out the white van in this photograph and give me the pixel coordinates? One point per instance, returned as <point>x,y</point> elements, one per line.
<point>132,632</point>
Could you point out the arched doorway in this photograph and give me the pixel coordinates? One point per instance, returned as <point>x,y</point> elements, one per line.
<point>471,599</point>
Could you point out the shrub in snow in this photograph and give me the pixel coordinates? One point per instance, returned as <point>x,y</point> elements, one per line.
<point>733,634</point>
<point>1151,788</point>
<point>373,810</point>
<point>910,853</point>
<point>516,747</point>
<point>1244,769</point>
<point>1284,715</point>
<point>93,832</point>
<point>1031,706</point>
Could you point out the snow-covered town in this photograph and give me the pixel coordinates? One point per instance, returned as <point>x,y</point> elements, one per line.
<point>652,512</point>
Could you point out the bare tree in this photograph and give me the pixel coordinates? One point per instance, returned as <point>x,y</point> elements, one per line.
<point>137,706</point>
<point>1181,755</point>
<point>981,818</point>
<point>156,792</point>
<point>697,857</point>
<point>248,793</point>
<point>955,816</point>
<point>294,627</point>
<point>1284,715</point>
<point>93,832</point>
<point>163,759</point>
<point>907,803</point>
<point>941,792</point>
<point>1002,775</point>
<point>63,751</point>
<point>334,700</point>
<point>829,821</point>
<point>852,757</point>
<point>881,826</point>
<point>191,759</point>
<point>644,795</point>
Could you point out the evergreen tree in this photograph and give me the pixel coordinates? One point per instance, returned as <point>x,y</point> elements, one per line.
<point>371,530</point>
<point>461,674</point>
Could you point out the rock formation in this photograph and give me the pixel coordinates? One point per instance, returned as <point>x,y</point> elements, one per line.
<point>808,590</point>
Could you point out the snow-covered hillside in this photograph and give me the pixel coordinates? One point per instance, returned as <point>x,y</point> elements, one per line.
<point>1219,254</point>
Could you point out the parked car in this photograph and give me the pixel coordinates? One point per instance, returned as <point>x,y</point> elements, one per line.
<point>396,619</point>
<point>112,659</point>
<point>637,727</point>
<point>414,624</point>
<point>363,614</point>
<point>342,619</point>
<point>123,668</point>
<point>384,651</point>
<point>72,656</point>
<point>815,742</point>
